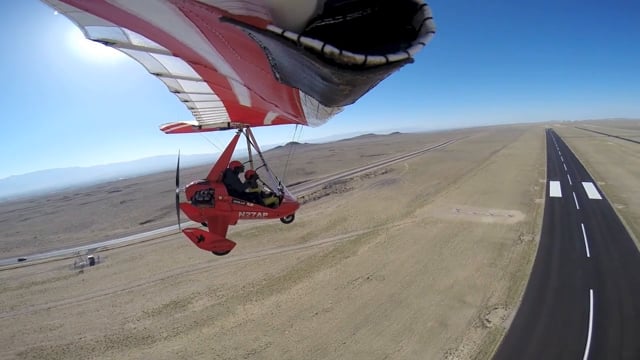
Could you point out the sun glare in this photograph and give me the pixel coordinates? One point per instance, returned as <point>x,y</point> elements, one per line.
<point>92,50</point>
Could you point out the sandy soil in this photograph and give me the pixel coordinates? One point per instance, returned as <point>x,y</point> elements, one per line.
<point>121,208</point>
<point>426,259</point>
<point>614,163</point>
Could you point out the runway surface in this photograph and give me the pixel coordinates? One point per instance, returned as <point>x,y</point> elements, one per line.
<point>582,300</point>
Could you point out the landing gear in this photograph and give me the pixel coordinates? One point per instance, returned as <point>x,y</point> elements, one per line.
<point>288,219</point>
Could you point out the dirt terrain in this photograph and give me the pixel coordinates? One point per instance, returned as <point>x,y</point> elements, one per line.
<point>425,259</point>
<point>121,208</point>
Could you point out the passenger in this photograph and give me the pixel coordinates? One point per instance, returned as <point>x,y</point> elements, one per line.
<point>264,198</point>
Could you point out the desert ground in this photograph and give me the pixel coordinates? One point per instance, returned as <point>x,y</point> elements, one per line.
<point>425,259</point>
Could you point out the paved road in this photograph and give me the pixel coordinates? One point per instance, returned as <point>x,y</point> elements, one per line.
<point>610,135</point>
<point>94,246</point>
<point>582,300</point>
<point>298,189</point>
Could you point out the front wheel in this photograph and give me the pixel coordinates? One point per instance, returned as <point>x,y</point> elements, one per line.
<point>288,219</point>
<point>220,253</point>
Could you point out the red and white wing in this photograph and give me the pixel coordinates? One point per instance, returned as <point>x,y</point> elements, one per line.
<point>232,66</point>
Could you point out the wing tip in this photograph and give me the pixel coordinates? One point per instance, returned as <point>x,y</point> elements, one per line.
<point>179,127</point>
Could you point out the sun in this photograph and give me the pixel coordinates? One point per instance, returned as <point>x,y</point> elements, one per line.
<point>91,50</point>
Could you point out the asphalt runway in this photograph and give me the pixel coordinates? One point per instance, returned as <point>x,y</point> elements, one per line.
<point>582,300</point>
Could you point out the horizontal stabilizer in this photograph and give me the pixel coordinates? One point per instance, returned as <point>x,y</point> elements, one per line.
<point>205,240</point>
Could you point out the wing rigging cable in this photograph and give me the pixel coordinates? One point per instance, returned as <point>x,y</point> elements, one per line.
<point>292,146</point>
<point>255,62</point>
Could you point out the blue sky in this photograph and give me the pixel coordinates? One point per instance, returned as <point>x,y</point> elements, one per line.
<point>67,103</point>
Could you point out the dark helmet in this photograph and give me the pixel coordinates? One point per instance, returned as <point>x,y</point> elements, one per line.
<point>250,174</point>
<point>236,164</point>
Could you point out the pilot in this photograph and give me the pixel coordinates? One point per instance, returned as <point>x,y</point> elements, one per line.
<point>231,179</point>
<point>266,199</point>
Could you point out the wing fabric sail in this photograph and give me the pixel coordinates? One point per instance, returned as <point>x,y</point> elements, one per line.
<point>259,62</point>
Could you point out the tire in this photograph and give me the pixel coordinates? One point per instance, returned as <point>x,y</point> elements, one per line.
<point>288,219</point>
<point>223,253</point>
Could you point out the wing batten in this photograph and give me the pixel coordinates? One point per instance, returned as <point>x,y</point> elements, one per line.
<point>195,97</point>
<point>172,20</point>
<point>177,77</point>
<point>128,46</point>
<point>121,38</point>
<point>177,84</point>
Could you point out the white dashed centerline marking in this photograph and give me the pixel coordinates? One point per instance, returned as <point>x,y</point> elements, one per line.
<point>590,332</point>
<point>586,243</point>
<point>565,166</point>
<point>591,190</point>
<point>554,189</point>
<point>576,200</point>
<point>569,177</point>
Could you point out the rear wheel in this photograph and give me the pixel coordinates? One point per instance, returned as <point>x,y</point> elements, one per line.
<point>288,219</point>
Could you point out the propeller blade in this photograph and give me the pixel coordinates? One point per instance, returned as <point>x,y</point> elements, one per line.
<point>178,210</point>
<point>178,172</point>
<point>178,192</point>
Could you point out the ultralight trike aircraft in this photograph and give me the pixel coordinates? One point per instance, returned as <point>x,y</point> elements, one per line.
<point>237,64</point>
<point>209,202</point>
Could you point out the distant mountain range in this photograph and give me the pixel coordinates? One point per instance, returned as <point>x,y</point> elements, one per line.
<point>51,180</point>
<point>59,179</point>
